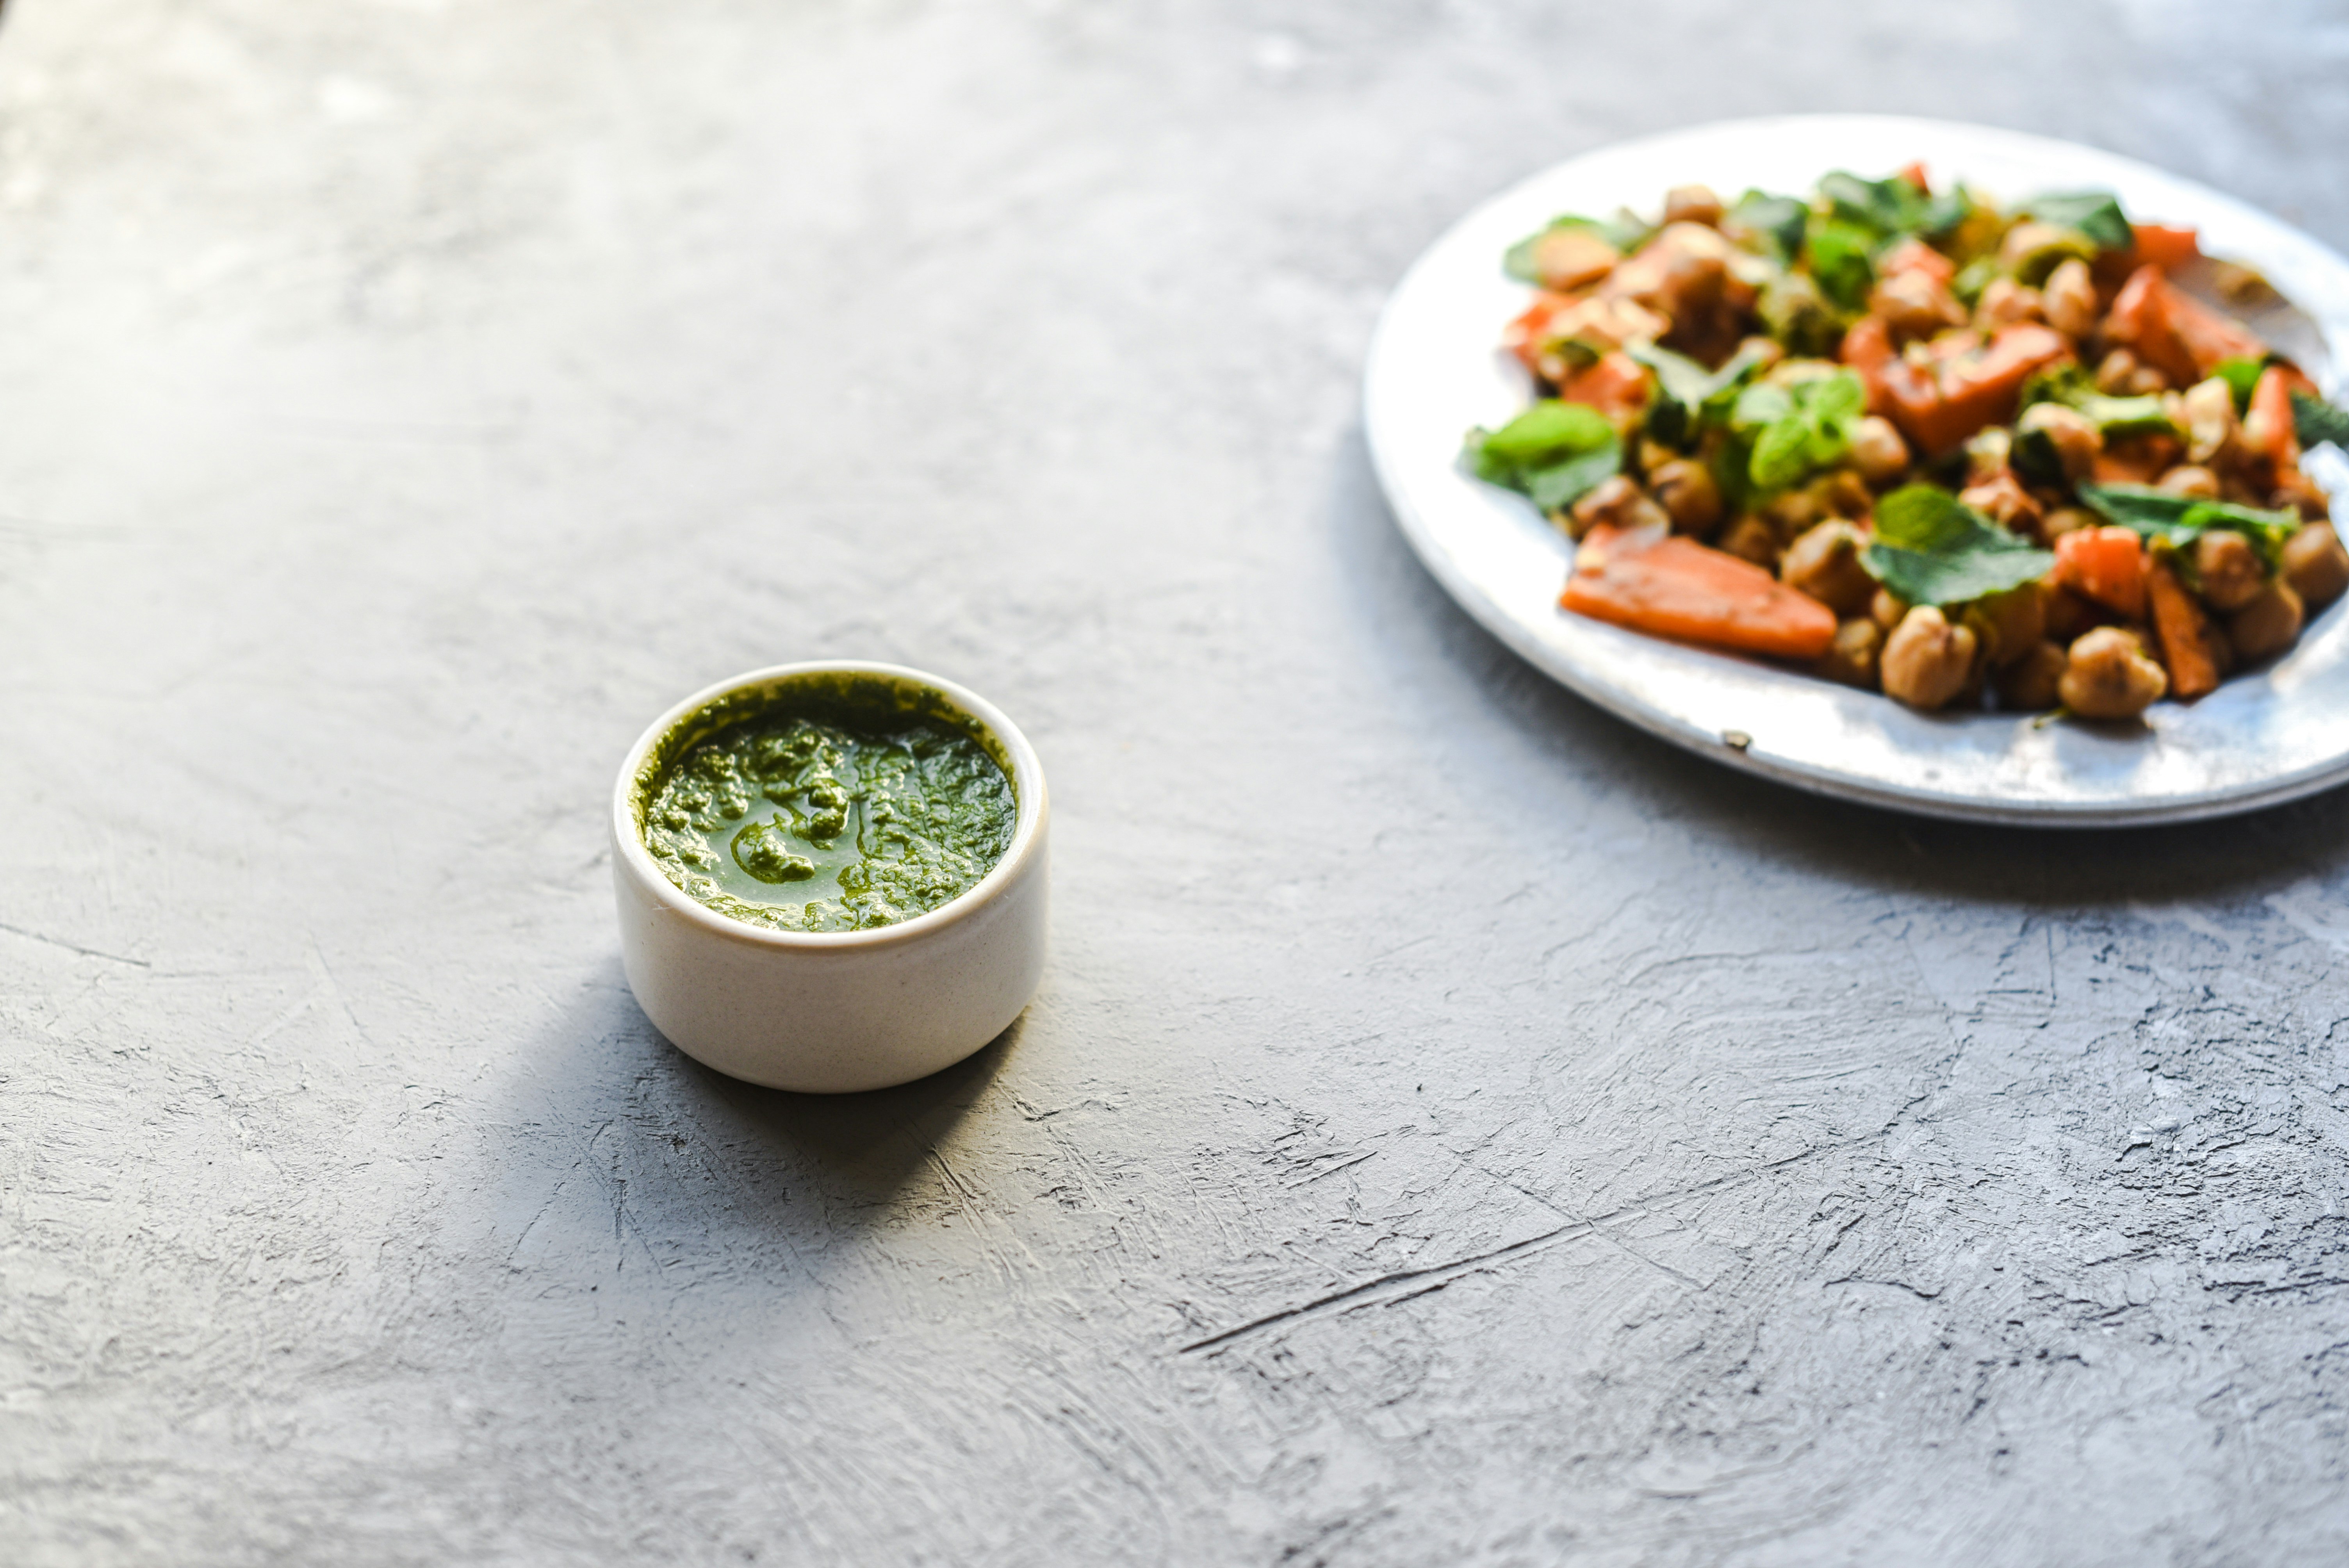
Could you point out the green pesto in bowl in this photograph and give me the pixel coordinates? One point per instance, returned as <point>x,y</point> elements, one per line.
<point>826,803</point>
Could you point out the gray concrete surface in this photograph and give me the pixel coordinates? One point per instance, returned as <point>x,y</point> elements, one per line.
<point>1454,1127</point>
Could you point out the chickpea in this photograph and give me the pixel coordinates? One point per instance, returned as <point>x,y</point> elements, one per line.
<point>2028,685</point>
<point>1693,205</point>
<point>1569,259</point>
<point>1852,657</point>
<point>2267,625</point>
<point>1887,608</point>
<point>2107,674</point>
<point>1752,539</point>
<point>1915,305</point>
<point>2316,565</point>
<point>1880,451</point>
<point>1990,452</point>
<point>2063,519</point>
<point>2070,296</point>
<point>1686,491</point>
<point>1825,563</point>
<point>1793,514</point>
<point>2010,624</point>
<point>2232,572</point>
<point>2005,500</point>
<point>2189,479</point>
<point>2075,437</point>
<point>2069,615</point>
<point>2208,410</point>
<point>1927,660</point>
<point>2115,371</point>
<point>1617,503</point>
<point>2006,301</point>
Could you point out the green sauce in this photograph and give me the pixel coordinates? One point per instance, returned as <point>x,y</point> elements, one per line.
<point>828,819</point>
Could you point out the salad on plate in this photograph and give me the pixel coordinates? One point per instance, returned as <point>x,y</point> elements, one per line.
<point>2030,458</point>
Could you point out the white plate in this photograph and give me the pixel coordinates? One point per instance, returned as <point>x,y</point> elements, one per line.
<point>1434,371</point>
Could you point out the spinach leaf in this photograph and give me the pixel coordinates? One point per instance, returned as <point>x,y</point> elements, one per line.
<point>1838,253</point>
<point>1930,548</point>
<point>1687,394</point>
<point>1554,452</point>
<point>2096,213</point>
<point>1780,218</point>
<point>2180,520</point>
<point>2315,421</point>
<point>1800,428</point>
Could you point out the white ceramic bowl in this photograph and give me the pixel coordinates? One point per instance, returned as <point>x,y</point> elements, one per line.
<point>831,1012</point>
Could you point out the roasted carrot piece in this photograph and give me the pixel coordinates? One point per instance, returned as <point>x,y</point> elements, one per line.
<point>2268,427</point>
<point>2107,564</point>
<point>1674,587</point>
<point>1616,385</point>
<point>1913,255</point>
<point>1915,175</point>
<point>2208,336</point>
<point>2160,245</point>
<point>1868,349</point>
<point>2140,319</point>
<point>1938,406</point>
<point>2182,629</point>
<point>1523,337</point>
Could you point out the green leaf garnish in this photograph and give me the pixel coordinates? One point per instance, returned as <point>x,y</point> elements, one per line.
<point>1798,429</point>
<point>1779,218</point>
<point>1625,231</point>
<point>2096,213</point>
<point>1930,548</point>
<point>1556,453</point>
<point>1838,254</point>
<point>2315,421</point>
<point>2242,378</point>
<point>2158,514</point>
<point>1687,396</point>
<point>2070,384</point>
<point>1892,207</point>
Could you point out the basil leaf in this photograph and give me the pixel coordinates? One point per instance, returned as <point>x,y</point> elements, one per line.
<point>1781,455</point>
<point>2315,421</point>
<point>2037,459</point>
<point>1932,549</point>
<point>1554,452</point>
<point>2096,213</point>
<point>1801,429</point>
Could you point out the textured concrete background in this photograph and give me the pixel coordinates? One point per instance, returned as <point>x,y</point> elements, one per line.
<point>1454,1127</point>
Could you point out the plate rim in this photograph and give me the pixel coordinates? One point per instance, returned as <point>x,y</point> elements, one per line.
<point>2248,796</point>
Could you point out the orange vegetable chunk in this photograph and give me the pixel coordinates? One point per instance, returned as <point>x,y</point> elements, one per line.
<point>2107,564</point>
<point>1672,586</point>
<point>2160,245</point>
<point>2181,627</point>
<point>1939,403</point>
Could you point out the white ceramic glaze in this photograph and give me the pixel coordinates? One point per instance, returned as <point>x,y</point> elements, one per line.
<point>834,1012</point>
<point>1434,370</point>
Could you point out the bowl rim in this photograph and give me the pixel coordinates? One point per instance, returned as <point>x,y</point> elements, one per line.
<point>1027,832</point>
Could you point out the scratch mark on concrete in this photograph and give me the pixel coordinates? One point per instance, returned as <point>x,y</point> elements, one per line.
<point>64,946</point>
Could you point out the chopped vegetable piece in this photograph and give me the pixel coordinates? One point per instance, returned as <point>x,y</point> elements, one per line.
<point>1932,549</point>
<point>2211,339</point>
<point>1798,429</point>
<point>2183,631</point>
<point>2096,213</point>
<point>1779,218</point>
<point>1623,234</point>
<point>2242,375</point>
<point>1891,207</point>
<point>2159,245</point>
<point>1939,403</point>
<point>1553,452</point>
<point>1616,386</point>
<point>2140,319</point>
<point>2270,427</point>
<point>2161,514</point>
<point>1686,391</point>
<point>2070,384</point>
<point>1838,254</point>
<point>2107,564</point>
<point>1674,587</point>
